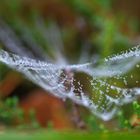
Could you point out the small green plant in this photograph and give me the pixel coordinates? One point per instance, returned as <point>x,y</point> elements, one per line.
<point>136,108</point>
<point>12,115</point>
<point>9,111</point>
<point>123,122</point>
<point>93,124</point>
<point>96,126</point>
<point>34,123</point>
<point>50,125</point>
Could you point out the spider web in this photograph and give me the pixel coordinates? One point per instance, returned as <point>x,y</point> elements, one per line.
<point>59,80</point>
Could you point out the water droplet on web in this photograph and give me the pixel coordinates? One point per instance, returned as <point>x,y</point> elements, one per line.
<point>132,76</point>
<point>137,66</point>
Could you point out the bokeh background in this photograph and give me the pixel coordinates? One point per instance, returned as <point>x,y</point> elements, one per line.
<point>62,31</point>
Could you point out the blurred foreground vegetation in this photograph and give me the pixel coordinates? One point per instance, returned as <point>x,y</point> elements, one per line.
<point>69,135</point>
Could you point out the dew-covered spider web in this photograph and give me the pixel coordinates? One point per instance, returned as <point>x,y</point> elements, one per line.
<point>108,81</point>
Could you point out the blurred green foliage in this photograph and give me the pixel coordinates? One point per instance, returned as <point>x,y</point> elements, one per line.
<point>12,115</point>
<point>10,111</point>
<point>68,135</point>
